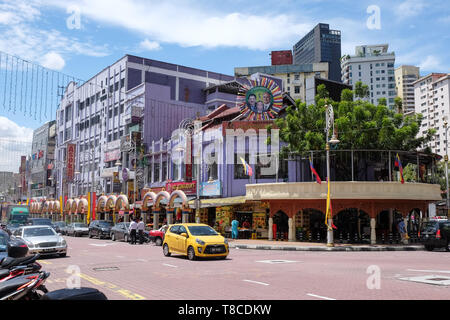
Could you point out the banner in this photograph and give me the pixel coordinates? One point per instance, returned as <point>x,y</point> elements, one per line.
<point>70,158</point>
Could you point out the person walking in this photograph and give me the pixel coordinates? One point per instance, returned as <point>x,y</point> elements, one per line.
<point>234,229</point>
<point>132,229</point>
<point>140,229</point>
<point>274,228</point>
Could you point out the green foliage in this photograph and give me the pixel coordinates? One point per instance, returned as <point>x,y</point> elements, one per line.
<point>398,104</point>
<point>382,101</point>
<point>359,125</point>
<point>361,90</point>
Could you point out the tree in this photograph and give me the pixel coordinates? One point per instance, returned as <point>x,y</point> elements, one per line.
<point>361,90</point>
<point>398,104</point>
<point>361,125</point>
<point>382,101</point>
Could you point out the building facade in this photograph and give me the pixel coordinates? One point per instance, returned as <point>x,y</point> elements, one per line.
<point>373,65</point>
<point>404,78</point>
<point>42,157</point>
<point>432,100</point>
<point>320,45</point>
<point>133,94</point>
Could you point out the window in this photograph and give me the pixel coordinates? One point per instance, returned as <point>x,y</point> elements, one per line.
<point>297,77</point>
<point>156,172</point>
<point>297,89</point>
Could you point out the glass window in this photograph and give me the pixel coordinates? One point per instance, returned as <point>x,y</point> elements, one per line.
<point>202,231</point>
<point>174,229</point>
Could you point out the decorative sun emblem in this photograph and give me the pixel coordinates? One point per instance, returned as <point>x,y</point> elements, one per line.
<point>260,99</point>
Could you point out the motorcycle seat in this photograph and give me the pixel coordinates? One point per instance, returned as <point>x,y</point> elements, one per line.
<point>10,262</point>
<point>8,287</point>
<point>75,294</point>
<point>4,273</point>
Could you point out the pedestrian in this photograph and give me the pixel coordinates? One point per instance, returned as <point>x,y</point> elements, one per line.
<point>140,228</point>
<point>132,229</point>
<point>401,229</point>
<point>274,228</point>
<point>234,229</point>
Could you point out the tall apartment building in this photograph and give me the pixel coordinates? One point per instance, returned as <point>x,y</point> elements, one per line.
<point>404,78</point>
<point>132,94</point>
<point>373,65</point>
<point>320,45</point>
<point>293,76</point>
<point>432,100</point>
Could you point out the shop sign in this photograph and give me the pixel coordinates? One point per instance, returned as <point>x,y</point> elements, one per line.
<point>210,188</point>
<point>109,172</point>
<point>70,161</point>
<point>187,187</point>
<point>112,155</point>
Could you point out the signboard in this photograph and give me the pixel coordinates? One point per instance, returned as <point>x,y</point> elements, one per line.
<point>189,188</point>
<point>125,174</point>
<point>112,155</point>
<point>113,145</point>
<point>109,172</point>
<point>210,188</point>
<point>70,164</point>
<point>260,99</point>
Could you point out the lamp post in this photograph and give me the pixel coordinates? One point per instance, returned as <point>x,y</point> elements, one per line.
<point>333,141</point>
<point>446,167</point>
<point>92,158</point>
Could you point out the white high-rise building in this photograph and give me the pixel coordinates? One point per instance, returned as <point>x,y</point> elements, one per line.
<point>373,65</point>
<point>432,100</point>
<point>404,78</point>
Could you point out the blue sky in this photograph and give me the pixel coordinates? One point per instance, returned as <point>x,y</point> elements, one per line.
<point>211,35</point>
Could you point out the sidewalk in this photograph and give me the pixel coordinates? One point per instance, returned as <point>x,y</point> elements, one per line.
<point>314,246</point>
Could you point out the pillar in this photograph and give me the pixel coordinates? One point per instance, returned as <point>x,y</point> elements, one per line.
<point>184,216</point>
<point>373,233</point>
<point>155,220</point>
<point>169,217</point>
<point>270,228</point>
<point>291,233</point>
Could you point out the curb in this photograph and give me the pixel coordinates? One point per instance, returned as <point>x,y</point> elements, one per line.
<point>340,249</point>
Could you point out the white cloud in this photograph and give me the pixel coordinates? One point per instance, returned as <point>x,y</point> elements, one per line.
<point>410,8</point>
<point>188,23</point>
<point>15,141</point>
<point>53,60</point>
<point>10,129</point>
<point>150,45</point>
<point>431,63</point>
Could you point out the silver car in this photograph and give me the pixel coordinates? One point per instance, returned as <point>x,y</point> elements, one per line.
<point>43,240</point>
<point>77,229</point>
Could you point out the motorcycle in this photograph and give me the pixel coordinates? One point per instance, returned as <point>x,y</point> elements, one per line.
<point>21,278</point>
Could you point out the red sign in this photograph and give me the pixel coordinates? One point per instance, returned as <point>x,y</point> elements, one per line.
<point>70,158</point>
<point>187,187</point>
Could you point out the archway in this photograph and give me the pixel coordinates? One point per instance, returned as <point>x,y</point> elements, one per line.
<point>386,226</point>
<point>110,207</point>
<point>281,220</point>
<point>414,224</point>
<point>316,229</point>
<point>353,226</point>
<point>101,205</point>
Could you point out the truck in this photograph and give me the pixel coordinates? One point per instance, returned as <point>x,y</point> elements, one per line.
<point>15,213</point>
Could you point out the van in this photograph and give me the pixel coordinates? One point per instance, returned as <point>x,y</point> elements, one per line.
<point>435,234</point>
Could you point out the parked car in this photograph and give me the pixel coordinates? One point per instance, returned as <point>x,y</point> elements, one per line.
<point>4,239</point>
<point>100,229</point>
<point>435,234</point>
<point>121,232</point>
<point>43,240</point>
<point>60,227</point>
<point>40,222</point>
<point>194,240</point>
<point>157,236</point>
<point>77,229</point>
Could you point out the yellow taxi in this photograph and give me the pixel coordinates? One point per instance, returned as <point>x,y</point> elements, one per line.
<point>194,240</point>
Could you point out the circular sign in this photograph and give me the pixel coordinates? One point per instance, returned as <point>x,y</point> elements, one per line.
<point>125,175</point>
<point>260,99</point>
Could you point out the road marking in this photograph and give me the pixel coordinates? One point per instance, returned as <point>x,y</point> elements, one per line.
<point>320,297</point>
<point>438,271</point>
<point>169,265</point>
<point>257,282</point>
<point>142,260</point>
<point>276,261</point>
<point>101,245</point>
<point>44,262</point>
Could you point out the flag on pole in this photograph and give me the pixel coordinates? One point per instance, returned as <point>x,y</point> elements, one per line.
<point>247,168</point>
<point>327,214</point>
<point>398,164</point>
<point>311,165</point>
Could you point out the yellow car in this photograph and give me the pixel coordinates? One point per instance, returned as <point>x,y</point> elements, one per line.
<point>194,240</point>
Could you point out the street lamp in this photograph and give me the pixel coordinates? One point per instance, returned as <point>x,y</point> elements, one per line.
<point>446,166</point>
<point>333,141</point>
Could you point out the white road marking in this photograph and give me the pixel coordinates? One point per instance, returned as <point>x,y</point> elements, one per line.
<point>257,282</point>
<point>276,261</point>
<point>143,260</point>
<point>438,271</point>
<point>101,245</point>
<point>169,265</point>
<point>320,297</point>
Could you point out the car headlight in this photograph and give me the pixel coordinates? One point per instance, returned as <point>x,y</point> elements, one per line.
<point>200,242</point>
<point>226,241</point>
<point>61,242</point>
<point>29,244</point>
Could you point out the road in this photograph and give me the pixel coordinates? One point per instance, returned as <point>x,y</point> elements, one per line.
<point>141,272</point>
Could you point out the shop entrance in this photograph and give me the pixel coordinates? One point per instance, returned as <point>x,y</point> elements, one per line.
<point>317,228</point>
<point>353,226</point>
<point>211,216</point>
<point>281,220</point>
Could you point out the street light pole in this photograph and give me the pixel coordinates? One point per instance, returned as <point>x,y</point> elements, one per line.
<point>446,168</point>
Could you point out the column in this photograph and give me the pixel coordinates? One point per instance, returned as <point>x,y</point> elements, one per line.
<point>291,233</point>
<point>185,216</point>
<point>373,234</point>
<point>270,228</point>
<point>169,216</point>
<point>155,220</point>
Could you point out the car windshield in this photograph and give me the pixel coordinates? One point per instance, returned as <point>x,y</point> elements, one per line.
<point>60,224</point>
<point>3,242</point>
<point>38,232</point>
<point>80,225</point>
<point>105,224</point>
<point>202,231</point>
<point>19,218</point>
<point>42,222</point>
<point>430,226</point>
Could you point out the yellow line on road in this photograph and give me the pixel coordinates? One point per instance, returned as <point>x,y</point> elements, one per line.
<point>44,262</point>
<point>126,293</point>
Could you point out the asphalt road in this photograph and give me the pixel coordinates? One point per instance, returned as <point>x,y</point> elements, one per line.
<point>141,272</point>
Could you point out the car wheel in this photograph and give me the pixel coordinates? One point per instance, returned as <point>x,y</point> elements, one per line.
<point>158,241</point>
<point>62,255</point>
<point>113,237</point>
<point>429,248</point>
<point>90,234</point>
<point>191,254</point>
<point>166,250</point>
<point>125,238</point>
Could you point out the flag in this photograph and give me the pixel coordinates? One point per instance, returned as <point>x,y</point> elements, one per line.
<point>311,165</point>
<point>248,170</point>
<point>327,214</point>
<point>398,164</point>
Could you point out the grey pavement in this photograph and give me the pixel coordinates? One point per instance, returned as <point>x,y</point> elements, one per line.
<point>314,246</point>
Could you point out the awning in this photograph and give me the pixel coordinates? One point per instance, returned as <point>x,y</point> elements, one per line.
<point>218,202</point>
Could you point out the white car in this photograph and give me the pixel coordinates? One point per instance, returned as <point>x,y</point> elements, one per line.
<point>43,240</point>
